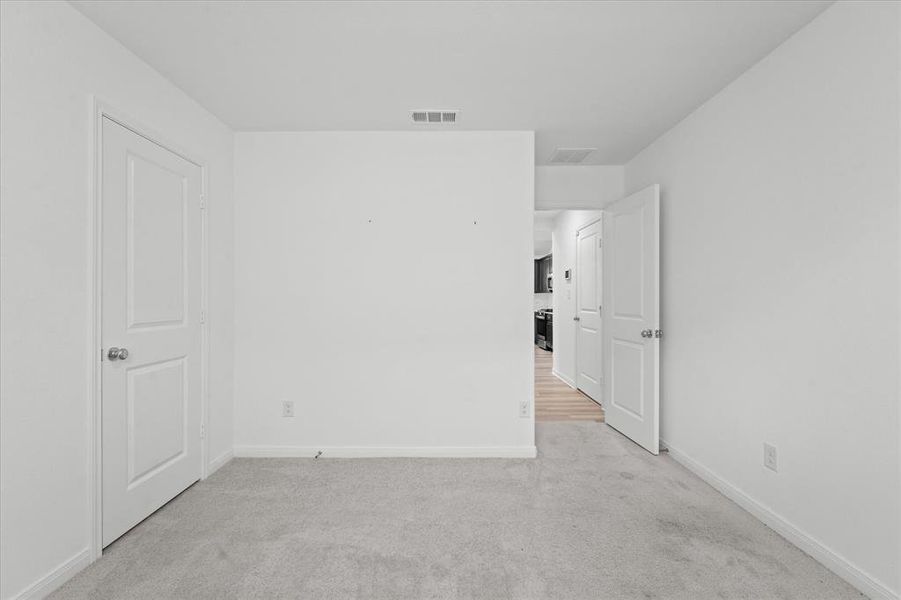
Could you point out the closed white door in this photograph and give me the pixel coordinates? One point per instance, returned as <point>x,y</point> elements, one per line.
<point>151,232</point>
<point>589,368</point>
<point>631,312</point>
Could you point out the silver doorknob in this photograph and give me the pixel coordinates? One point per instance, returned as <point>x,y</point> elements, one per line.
<point>646,333</point>
<point>117,353</point>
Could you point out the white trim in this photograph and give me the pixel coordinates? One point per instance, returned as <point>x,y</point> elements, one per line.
<point>813,547</point>
<point>898,156</point>
<point>99,111</point>
<point>94,294</point>
<point>564,379</point>
<point>204,323</point>
<point>387,451</point>
<point>56,577</point>
<point>219,462</point>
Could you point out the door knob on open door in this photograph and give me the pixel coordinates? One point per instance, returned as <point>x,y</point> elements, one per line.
<point>117,353</point>
<point>646,333</point>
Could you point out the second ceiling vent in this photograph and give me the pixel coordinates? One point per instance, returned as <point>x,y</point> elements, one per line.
<point>570,156</point>
<point>435,116</point>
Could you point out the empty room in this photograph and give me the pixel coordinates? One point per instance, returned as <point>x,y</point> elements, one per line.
<point>450,299</point>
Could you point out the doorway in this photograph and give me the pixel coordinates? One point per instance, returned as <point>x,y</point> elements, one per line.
<point>557,396</point>
<point>605,310</point>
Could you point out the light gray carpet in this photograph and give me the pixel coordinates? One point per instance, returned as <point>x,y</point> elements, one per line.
<point>593,517</point>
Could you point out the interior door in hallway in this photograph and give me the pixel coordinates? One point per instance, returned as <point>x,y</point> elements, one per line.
<point>631,311</point>
<point>589,368</point>
<point>150,327</point>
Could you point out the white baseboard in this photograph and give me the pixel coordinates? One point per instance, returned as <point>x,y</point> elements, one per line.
<point>564,379</point>
<point>55,578</point>
<point>387,452</point>
<point>218,463</point>
<point>827,557</point>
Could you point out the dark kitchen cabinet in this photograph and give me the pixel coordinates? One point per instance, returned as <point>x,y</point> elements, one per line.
<point>544,268</point>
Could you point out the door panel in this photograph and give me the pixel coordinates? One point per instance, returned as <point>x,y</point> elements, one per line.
<point>157,423</point>
<point>632,295</point>
<point>151,269</point>
<point>627,360</point>
<point>628,245</point>
<point>589,368</point>
<point>157,203</point>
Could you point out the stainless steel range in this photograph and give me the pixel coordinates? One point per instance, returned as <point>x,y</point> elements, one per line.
<point>544,328</point>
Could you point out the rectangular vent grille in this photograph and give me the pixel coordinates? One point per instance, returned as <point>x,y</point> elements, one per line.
<point>570,156</point>
<point>434,116</point>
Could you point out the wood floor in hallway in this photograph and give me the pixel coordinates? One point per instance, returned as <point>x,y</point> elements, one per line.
<point>556,401</point>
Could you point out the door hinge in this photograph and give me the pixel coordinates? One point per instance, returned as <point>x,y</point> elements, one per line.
<point>202,201</point>
<point>202,317</point>
<point>202,431</point>
<point>658,333</point>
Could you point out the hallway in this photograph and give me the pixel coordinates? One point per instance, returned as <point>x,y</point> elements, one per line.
<point>556,401</point>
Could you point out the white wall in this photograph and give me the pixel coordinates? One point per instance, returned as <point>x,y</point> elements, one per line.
<point>780,289</point>
<point>51,60</point>
<point>544,232</point>
<point>384,284</point>
<point>566,226</point>
<point>576,186</point>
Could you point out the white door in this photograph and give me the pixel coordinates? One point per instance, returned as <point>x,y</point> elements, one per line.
<point>631,312</point>
<point>151,230</point>
<point>589,368</point>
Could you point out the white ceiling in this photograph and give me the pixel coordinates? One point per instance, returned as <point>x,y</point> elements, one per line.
<point>611,75</point>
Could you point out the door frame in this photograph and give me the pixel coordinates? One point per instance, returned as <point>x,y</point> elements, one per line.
<point>99,111</point>
<point>599,220</point>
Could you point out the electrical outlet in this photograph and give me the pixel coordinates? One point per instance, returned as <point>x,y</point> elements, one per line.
<point>769,457</point>
<point>524,409</point>
<point>288,408</point>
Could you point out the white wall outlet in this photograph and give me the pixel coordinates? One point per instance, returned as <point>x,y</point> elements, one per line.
<point>288,408</point>
<point>769,457</point>
<point>524,409</point>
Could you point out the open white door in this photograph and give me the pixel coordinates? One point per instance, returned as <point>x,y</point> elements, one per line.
<point>589,368</point>
<point>631,331</point>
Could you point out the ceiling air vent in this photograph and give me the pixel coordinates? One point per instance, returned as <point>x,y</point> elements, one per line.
<point>432,116</point>
<point>570,156</point>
